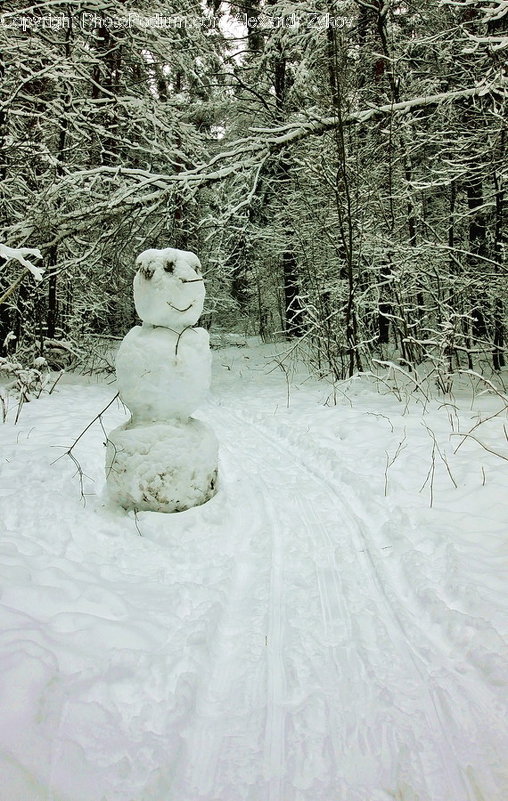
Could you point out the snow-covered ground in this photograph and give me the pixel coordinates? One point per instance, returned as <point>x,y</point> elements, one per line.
<point>324,629</point>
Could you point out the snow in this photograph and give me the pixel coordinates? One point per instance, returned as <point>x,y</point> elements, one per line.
<point>162,374</point>
<point>317,631</point>
<point>173,274</point>
<point>20,254</point>
<point>161,466</point>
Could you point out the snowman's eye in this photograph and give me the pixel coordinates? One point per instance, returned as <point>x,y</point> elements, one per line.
<point>146,271</point>
<point>169,267</point>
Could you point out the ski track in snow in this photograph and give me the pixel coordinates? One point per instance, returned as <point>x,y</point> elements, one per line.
<point>322,513</point>
<point>291,640</point>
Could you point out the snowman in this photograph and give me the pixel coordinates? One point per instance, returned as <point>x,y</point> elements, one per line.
<point>162,459</point>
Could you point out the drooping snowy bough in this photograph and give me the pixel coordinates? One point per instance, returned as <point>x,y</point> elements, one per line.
<point>163,460</point>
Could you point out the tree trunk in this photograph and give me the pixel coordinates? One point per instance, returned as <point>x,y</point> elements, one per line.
<point>60,155</point>
<point>52,293</point>
<point>293,312</point>
<point>498,356</point>
<point>344,207</point>
<point>477,247</point>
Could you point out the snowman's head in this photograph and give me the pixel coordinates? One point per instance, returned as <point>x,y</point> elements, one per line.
<point>169,288</point>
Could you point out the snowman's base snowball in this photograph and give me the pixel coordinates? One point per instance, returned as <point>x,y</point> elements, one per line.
<point>162,467</point>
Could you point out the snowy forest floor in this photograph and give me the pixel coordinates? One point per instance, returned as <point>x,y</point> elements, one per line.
<point>324,629</point>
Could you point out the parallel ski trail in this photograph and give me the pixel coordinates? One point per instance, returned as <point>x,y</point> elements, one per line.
<point>276,684</point>
<point>341,652</point>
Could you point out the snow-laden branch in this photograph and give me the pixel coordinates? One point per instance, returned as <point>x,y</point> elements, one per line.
<point>495,42</point>
<point>247,153</point>
<point>491,9</point>
<point>120,190</point>
<point>19,254</point>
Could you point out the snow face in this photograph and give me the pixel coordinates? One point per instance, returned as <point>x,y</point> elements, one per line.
<point>162,374</point>
<point>162,467</point>
<point>169,288</point>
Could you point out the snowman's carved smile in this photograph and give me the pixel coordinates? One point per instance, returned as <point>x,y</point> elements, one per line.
<point>180,310</point>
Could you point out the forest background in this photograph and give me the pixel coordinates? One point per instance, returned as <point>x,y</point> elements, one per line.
<point>339,167</point>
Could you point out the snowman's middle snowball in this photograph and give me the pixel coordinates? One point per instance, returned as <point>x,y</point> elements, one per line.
<point>161,374</point>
